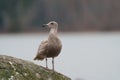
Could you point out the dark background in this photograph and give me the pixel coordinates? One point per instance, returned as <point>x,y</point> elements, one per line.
<point>72,15</point>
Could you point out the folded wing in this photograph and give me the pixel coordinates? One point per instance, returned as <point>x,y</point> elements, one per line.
<point>42,51</point>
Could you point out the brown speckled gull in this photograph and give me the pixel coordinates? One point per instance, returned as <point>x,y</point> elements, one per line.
<point>51,47</point>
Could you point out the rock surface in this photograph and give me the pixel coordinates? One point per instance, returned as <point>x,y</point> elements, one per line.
<point>16,69</point>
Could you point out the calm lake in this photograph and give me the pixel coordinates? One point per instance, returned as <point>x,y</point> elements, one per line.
<point>84,56</point>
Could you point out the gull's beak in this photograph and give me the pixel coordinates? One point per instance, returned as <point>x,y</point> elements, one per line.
<point>44,25</point>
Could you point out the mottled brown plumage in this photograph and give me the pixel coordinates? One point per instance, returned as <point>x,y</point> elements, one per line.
<point>51,47</point>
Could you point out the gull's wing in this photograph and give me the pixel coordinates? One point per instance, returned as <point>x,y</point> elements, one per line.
<point>42,50</point>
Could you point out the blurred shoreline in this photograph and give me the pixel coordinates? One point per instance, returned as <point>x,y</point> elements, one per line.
<point>66,32</point>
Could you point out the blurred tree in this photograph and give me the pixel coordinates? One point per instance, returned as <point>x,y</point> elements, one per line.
<point>13,8</point>
<point>70,14</point>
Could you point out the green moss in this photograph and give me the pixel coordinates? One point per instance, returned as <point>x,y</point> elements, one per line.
<point>17,69</point>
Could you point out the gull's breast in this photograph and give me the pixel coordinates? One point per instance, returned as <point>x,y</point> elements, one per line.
<point>54,47</point>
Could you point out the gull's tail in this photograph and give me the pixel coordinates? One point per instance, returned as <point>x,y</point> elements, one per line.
<point>39,57</point>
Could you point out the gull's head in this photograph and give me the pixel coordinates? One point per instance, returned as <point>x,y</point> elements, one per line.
<point>51,24</point>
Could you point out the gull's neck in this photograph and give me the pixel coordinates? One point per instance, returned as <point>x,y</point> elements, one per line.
<point>53,31</point>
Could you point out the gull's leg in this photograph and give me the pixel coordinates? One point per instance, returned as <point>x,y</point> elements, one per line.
<point>46,62</point>
<point>53,63</point>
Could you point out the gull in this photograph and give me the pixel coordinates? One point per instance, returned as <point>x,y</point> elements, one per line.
<point>51,47</point>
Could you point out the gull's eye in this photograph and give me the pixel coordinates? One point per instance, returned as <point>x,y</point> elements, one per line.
<point>52,23</point>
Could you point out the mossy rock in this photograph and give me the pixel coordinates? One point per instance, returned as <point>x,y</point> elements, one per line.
<point>16,69</point>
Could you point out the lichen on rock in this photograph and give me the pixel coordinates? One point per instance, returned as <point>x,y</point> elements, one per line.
<point>16,69</point>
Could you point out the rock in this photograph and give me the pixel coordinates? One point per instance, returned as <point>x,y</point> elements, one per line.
<point>16,69</point>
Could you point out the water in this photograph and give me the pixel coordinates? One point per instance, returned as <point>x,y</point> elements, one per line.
<point>84,56</point>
